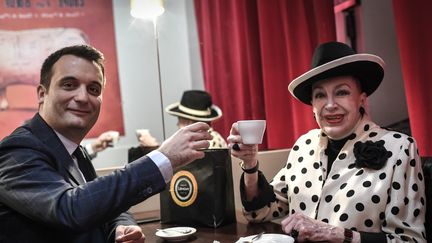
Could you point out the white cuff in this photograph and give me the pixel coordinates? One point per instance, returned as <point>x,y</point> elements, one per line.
<point>163,163</point>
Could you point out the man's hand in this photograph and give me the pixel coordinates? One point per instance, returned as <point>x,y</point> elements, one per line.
<point>146,139</point>
<point>104,140</point>
<point>186,144</point>
<point>129,233</point>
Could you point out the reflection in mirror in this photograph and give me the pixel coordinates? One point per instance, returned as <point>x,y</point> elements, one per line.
<point>153,73</point>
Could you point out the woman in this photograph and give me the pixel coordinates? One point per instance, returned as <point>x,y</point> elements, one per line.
<point>350,180</point>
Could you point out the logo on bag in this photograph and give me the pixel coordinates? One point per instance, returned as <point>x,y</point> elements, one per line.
<point>184,188</point>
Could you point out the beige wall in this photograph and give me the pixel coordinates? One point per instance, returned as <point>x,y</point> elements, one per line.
<point>388,103</point>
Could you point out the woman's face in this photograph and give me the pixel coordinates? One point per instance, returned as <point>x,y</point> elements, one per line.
<point>336,102</point>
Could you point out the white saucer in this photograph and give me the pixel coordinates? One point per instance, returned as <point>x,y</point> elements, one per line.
<point>175,233</point>
<point>268,238</point>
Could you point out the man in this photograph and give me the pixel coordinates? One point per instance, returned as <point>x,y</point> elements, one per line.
<point>48,189</point>
<point>194,106</point>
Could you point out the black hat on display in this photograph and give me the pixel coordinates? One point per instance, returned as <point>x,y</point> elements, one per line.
<point>333,59</point>
<point>195,105</point>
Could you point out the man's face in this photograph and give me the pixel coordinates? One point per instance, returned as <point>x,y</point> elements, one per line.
<point>72,103</point>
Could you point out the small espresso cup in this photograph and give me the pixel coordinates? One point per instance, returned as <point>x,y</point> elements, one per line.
<point>142,132</point>
<point>251,131</point>
<point>145,138</point>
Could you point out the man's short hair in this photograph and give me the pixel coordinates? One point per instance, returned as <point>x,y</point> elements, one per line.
<point>84,51</point>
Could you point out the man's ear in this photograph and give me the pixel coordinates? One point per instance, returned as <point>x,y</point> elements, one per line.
<point>41,92</point>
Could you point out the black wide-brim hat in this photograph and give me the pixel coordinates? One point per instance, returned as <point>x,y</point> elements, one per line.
<point>333,59</point>
<point>195,105</point>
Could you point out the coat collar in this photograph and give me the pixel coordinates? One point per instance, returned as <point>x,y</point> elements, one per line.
<point>360,133</point>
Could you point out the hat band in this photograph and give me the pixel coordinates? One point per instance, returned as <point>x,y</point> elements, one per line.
<point>195,112</point>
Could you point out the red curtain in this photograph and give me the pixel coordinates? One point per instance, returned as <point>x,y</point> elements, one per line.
<point>251,50</point>
<point>412,28</point>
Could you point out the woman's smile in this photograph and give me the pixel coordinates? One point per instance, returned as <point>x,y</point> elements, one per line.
<point>334,119</point>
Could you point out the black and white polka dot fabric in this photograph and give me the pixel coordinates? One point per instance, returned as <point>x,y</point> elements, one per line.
<point>217,141</point>
<point>389,200</point>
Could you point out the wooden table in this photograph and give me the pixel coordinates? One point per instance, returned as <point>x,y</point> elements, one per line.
<point>225,234</point>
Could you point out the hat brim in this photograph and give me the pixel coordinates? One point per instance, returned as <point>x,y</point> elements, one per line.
<point>367,68</point>
<point>174,110</point>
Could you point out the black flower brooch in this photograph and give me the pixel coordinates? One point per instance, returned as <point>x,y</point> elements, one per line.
<point>371,154</point>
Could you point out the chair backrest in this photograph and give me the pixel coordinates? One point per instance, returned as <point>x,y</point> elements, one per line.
<point>427,171</point>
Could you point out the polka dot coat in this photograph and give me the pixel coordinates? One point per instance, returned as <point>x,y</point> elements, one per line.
<point>217,141</point>
<point>389,200</point>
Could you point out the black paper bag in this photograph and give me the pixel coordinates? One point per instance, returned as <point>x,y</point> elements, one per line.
<point>201,193</point>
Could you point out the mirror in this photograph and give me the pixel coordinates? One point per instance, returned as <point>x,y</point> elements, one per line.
<point>143,102</point>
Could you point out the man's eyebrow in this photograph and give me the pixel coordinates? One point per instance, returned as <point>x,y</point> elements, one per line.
<point>68,78</point>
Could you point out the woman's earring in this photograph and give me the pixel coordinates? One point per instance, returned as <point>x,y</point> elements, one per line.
<point>362,110</point>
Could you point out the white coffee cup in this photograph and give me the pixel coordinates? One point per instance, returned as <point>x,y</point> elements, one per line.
<point>145,138</point>
<point>251,131</point>
<point>142,132</point>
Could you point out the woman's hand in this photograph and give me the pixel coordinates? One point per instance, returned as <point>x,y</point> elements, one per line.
<point>306,229</point>
<point>248,153</point>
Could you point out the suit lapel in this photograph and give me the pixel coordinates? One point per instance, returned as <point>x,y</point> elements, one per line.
<point>63,161</point>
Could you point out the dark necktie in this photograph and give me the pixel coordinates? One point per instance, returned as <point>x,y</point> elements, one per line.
<point>84,164</point>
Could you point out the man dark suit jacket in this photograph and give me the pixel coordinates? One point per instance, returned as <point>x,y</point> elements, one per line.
<point>43,197</point>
